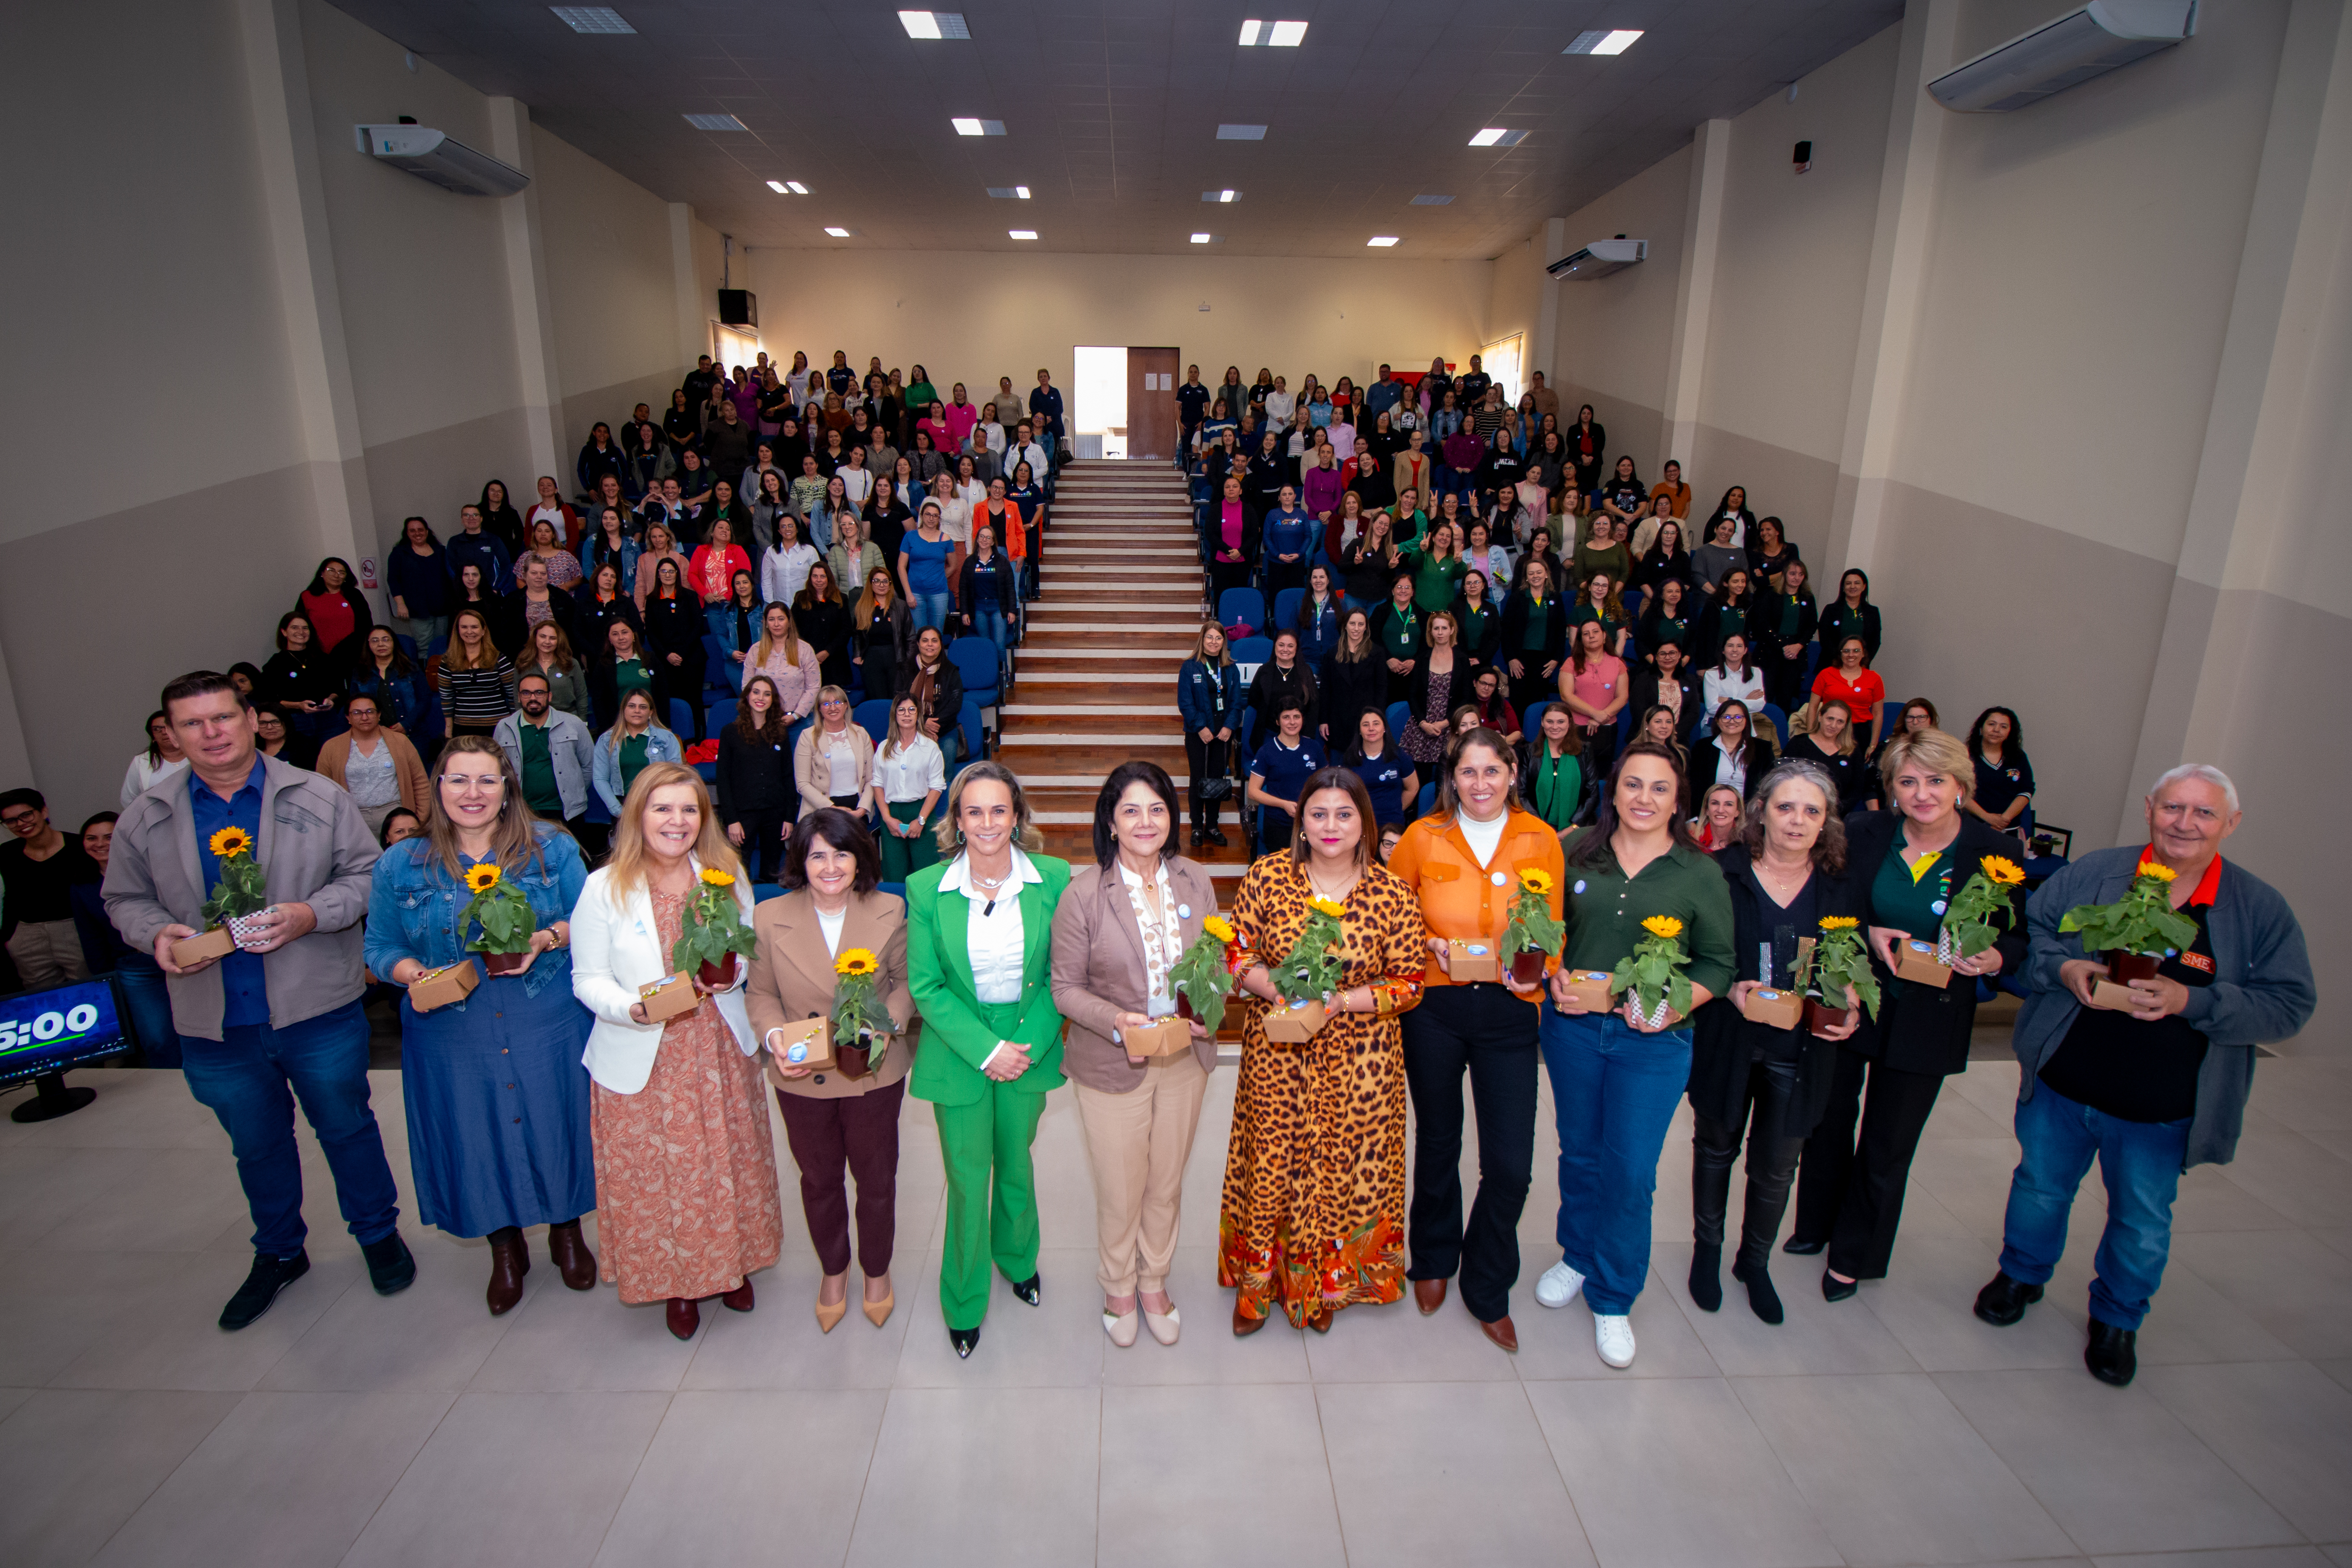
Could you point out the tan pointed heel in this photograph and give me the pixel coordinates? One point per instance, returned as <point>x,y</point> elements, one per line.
<point>828,1316</point>
<point>878,1312</point>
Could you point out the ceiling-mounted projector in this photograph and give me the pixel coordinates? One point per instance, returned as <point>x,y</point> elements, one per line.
<point>2064,53</point>
<point>433,155</point>
<point>1600,258</point>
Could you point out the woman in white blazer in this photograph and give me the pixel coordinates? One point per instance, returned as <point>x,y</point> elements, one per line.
<point>687,1204</point>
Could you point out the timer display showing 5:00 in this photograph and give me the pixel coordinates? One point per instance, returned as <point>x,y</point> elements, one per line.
<point>48,1028</point>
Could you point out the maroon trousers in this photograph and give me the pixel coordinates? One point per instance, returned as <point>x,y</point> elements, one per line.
<point>859,1135</point>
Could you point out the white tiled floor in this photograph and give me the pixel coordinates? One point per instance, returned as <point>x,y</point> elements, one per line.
<point>1891,1429</point>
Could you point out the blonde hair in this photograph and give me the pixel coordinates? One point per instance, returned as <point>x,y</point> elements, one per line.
<point>630,857</point>
<point>1933,749</point>
<point>949,835</point>
<point>1200,644</point>
<point>766,645</point>
<point>514,834</point>
<point>455,655</point>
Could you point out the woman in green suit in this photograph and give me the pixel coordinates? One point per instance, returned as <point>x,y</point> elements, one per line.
<point>980,961</point>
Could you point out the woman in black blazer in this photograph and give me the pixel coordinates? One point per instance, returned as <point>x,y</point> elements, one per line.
<point>1850,1198</point>
<point>1786,878</point>
<point>1781,622</point>
<point>1733,754</point>
<point>1668,671</point>
<point>1849,614</point>
<point>1534,639</point>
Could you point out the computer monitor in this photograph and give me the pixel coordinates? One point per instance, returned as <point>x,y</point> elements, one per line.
<point>43,1032</point>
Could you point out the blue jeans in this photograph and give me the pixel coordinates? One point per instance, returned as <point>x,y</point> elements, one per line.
<point>149,1002</point>
<point>244,1078</point>
<point>989,621</point>
<point>932,610</point>
<point>1614,1093</point>
<point>2140,1162</point>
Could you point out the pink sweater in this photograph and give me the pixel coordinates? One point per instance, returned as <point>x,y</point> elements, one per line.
<point>796,685</point>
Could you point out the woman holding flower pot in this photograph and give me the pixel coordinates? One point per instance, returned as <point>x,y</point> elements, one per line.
<point>497,1105</point>
<point>1909,863</point>
<point>1314,1205</point>
<point>685,1172</point>
<point>1649,909</point>
<point>1755,1074</point>
<point>833,926</point>
<point>1466,866</point>
<point>1120,935</point>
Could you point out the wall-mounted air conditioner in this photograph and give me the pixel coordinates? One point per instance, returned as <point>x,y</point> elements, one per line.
<point>433,155</point>
<point>1600,258</point>
<point>2061,54</point>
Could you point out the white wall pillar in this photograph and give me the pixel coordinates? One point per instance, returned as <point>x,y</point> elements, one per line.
<point>532,307</point>
<point>311,300</point>
<point>1543,354</point>
<point>1895,290</point>
<point>1694,291</point>
<point>693,315</point>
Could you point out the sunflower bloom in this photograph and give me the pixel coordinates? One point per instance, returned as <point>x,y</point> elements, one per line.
<point>230,841</point>
<point>856,960</point>
<point>1326,907</point>
<point>1536,880</point>
<point>482,878</point>
<point>1663,925</point>
<point>717,878</point>
<point>2005,871</point>
<point>1839,922</point>
<point>1218,927</point>
<point>2147,869</point>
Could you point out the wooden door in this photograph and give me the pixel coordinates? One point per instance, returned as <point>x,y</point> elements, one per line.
<point>1151,403</point>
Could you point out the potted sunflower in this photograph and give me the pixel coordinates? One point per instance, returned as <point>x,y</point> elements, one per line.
<point>504,915</point>
<point>239,894</point>
<point>711,933</point>
<point>1652,976</point>
<point>1839,961</point>
<point>1534,933</point>
<point>1968,927</point>
<point>1307,975</point>
<point>861,1023</point>
<point>2133,935</point>
<point>1202,977</point>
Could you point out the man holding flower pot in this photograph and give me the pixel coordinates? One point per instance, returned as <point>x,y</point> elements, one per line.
<point>2152,1089</point>
<point>278,1019</point>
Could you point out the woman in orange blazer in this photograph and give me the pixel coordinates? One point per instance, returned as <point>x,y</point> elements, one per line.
<point>837,1121</point>
<point>1463,862</point>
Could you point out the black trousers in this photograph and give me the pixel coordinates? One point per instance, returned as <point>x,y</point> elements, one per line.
<point>1849,1189</point>
<point>1533,685</point>
<point>764,841</point>
<point>1492,1034</point>
<point>1206,760</point>
<point>1771,1164</point>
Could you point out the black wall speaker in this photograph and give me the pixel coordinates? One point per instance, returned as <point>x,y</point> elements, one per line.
<point>738,308</point>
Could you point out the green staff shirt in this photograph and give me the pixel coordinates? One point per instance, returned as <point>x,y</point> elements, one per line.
<point>1605,910</point>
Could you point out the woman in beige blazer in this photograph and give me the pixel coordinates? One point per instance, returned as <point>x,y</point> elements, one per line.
<point>836,1122</point>
<point>1121,925</point>
<point>833,739</point>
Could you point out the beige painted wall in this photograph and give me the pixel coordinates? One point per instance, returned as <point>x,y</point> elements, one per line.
<point>1614,332</point>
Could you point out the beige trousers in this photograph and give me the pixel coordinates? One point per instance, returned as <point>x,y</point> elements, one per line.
<point>47,953</point>
<point>1138,1143</point>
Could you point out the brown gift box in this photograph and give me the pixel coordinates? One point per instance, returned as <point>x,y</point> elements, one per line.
<point>671,996</point>
<point>439,987</point>
<point>1294,1025</point>
<point>810,1037</point>
<point>215,943</point>
<point>1168,1037</point>
<point>1592,987</point>
<point>1472,962</point>
<point>1774,1009</point>
<point>1916,961</point>
<point>2114,998</point>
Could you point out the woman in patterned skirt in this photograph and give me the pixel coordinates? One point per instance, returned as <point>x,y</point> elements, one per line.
<point>1314,1205</point>
<point>687,1204</point>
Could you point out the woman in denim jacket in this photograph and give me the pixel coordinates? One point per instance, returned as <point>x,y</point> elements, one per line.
<point>497,1098</point>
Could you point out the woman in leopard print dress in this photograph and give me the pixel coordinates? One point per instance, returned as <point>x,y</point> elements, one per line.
<point>1314,1203</point>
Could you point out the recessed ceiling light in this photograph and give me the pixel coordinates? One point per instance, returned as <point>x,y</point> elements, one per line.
<point>1383,240</point>
<point>838,233</point>
<point>1496,136</point>
<point>1602,41</point>
<point>1199,240</point>
<point>715,123</point>
<point>1432,201</point>
<point>1280,34</point>
<point>1227,195</point>
<point>1022,232</point>
<point>788,187</point>
<point>934,24</point>
<point>967,126</point>
<point>1021,192</point>
<point>1009,193</point>
<point>1240,132</point>
<point>591,18</point>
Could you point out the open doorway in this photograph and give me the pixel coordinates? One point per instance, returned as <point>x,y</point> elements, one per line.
<point>1124,402</point>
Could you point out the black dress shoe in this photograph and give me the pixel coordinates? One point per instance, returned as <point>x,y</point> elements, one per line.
<point>2110,1355</point>
<point>1027,1289</point>
<point>2004,1301</point>
<point>965,1340</point>
<point>1706,1277</point>
<point>268,1276</point>
<point>1799,1247</point>
<point>1217,836</point>
<point>1836,1289</point>
<point>390,1266</point>
<point>1762,1298</point>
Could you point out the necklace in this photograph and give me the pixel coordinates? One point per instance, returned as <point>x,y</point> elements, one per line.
<point>1339,897</point>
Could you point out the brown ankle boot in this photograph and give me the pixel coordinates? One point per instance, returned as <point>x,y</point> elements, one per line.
<point>510,1261</point>
<point>567,1250</point>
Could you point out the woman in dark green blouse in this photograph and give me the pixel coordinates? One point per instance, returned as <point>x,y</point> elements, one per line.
<point>1615,1079</point>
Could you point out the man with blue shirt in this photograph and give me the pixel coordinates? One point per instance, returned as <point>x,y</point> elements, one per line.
<point>1192,407</point>
<point>1384,394</point>
<point>1046,410</point>
<point>278,1020</point>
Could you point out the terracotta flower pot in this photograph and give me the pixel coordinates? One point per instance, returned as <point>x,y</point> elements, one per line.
<point>1528,967</point>
<point>853,1062</point>
<point>1184,1007</point>
<point>504,962</point>
<point>717,976</point>
<point>1817,1016</point>
<point>2123,968</point>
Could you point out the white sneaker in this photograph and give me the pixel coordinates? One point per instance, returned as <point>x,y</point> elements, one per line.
<point>1614,1338</point>
<point>1559,1285</point>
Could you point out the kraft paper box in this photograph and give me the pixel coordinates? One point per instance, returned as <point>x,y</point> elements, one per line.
<point>1774,1009</point>
<point>668,997</point>
<point>806,1043</point>
<point>2111,996</point>
<point>1294,1025</point>
<point>1471,962</point>
<point>215,943</point>
<point>1167,1037</point>
<point>439,987</point>
<point>1916,961</point>
<point>1592,986</point>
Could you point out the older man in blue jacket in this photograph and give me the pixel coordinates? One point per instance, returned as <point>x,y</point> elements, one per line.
<point>2151,1089</point>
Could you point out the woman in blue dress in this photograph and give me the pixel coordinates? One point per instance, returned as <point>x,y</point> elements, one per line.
<point>497,1096</point>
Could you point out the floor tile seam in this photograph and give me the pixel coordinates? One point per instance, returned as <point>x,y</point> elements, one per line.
<point>149,1496</point>
<point>2246,1478</point>
<point>1567,1492</point>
